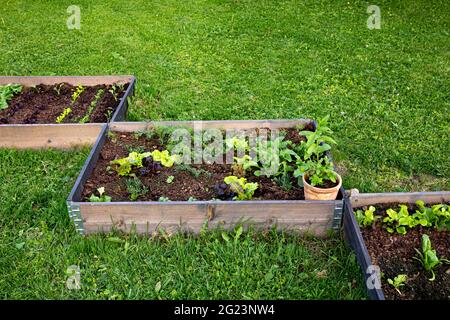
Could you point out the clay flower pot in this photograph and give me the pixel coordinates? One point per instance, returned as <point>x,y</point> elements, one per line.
<point>315,193</point>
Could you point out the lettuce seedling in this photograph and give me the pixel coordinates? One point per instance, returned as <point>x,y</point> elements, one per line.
<point>164,157</point>
<point>80,89</point>
<point>241,187</point>
<point>63,115</point>
<point>7,92</point>
<point>92,106</point>
<point>438,215</point>
<point>170,179</point>
<point>428,257</point>
<point>102,196</point>
<point>123,166</point>
<point>243,164</point>
<point>367,217</point>
<point>399,221</point>
<point>398,282</point>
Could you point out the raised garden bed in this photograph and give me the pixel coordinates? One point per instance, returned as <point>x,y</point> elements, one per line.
<point>391,244</point>
<point>188,197</point>
<point>61,112</point>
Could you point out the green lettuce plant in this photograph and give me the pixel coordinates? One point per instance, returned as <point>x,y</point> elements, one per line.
<point>241,187</point>
<point>367,217</point>
<point>399,281</point>
<point>102,197</point>
<point>7,92</point>
<point>428,257</point>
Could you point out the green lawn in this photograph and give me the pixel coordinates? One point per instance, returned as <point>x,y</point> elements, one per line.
<point>386,91</point>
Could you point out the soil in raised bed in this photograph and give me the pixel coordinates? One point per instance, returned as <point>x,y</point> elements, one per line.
<point>185,184</point>
<point>44,103</point>
<point>394,253</point>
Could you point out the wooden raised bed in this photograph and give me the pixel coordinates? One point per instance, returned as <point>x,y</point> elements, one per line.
<point>23,136</point>
<point>352,231</point>
<point>316,217</point>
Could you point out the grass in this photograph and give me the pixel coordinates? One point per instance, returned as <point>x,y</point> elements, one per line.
<point>38,244</point>
<point>386,91</point>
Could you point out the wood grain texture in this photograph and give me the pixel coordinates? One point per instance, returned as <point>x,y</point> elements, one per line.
<point>73,80</point>
<point>40,136</point>
<point>147,217</point>
<point>364,199</point>
<point>216,124</point>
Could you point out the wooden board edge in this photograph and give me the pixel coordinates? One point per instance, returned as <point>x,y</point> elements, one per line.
<point>45,136</point>
<point>364,199</point>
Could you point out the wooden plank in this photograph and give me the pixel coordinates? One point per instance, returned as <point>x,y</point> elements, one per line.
<point>364,199</point>
<point>354,238</point>
<point>147,217</point>
<point>38,136</point>
<point>73,80</point>
<point>217,124</point>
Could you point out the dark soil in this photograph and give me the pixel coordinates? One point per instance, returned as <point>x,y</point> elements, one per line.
<point>394,253</point>
<point>44,103</point>
<point>185,184</point>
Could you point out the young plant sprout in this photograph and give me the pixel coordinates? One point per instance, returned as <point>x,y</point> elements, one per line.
<point>367,217</point>
<point>241,187</point>
<point>428,257</point>
<point>102,197</point>
<point>399,281</point>
<point>7,92</point>
<point>63,115</point>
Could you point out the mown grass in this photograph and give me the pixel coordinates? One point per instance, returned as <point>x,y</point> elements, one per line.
<point>38,244</point>
<point>386,91</point>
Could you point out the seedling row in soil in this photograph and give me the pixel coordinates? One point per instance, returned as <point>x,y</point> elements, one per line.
<point>59,103</point>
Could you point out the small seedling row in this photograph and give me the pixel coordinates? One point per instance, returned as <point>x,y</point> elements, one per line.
<point>402,243</point>
<point>60,112</point>
<point>156,191</point>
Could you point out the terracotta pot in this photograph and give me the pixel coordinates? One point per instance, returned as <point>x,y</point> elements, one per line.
<point>314,193</point>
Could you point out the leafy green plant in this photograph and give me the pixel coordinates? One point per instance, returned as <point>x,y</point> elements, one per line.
<point>438,215</point>
<point>123,166</point>
<point>236,143</point>
<point>7,92</point>
<point>316,171</point>
<point>242,164</point>
<point>283,179</point>
<point>163,199</point>
<point>317,142</point>
<point>92,106</point>
<point>79,90</point>
<point>367,217</point>
<point>399,281</point>
<point>399,221</point>
<point>115,90</point>
<point>102,197</point>
<point>170,179</point>
<point>313,161</point>
<point>428,257</point>
<point>136,188</point>
<point>164,157</point>
<point>63,115</point>
<point>193,171</point>
<point>241,187</point>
